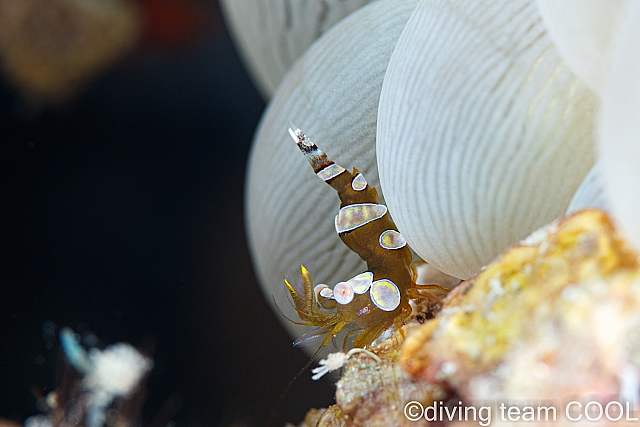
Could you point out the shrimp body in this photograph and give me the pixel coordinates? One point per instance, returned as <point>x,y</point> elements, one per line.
<point>370,302</point>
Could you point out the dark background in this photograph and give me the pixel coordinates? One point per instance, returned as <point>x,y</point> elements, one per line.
<point>122,215</point>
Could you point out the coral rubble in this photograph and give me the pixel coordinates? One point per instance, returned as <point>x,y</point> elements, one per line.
<point>98,387</point>
<point>554,319</point>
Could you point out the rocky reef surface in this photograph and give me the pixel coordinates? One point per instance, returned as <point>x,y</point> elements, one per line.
<point>549,331</point>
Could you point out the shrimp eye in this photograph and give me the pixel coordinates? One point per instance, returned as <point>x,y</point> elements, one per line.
<point>327,293</point>
<point>318,292</point>
<point>324,297</point>
<point>343,293</point>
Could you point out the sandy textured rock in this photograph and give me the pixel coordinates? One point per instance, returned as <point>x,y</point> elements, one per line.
<point>372,393</point>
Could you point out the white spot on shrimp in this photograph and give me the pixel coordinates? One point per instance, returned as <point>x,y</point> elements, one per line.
<point>385,294</point>
<point>362,282</point>
<point>330,172</point>
<point>391,239</point>
<point>353,216</point>
<point>359,182</point>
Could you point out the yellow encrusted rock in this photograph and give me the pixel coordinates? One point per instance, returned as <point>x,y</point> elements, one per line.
<point>554,317</point>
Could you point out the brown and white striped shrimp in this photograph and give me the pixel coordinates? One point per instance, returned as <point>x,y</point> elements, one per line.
<point>370,302</point>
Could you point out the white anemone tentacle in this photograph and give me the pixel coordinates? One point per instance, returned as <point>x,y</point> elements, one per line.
<point>484,133</point>
<point>272,34</point>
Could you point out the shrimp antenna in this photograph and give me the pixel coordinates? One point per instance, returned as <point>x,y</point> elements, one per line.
<point>284,315</point>
<point>272,415</point>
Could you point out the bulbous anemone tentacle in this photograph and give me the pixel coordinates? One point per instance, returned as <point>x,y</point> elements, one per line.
<point>484,133</point>
<point>272,34</point>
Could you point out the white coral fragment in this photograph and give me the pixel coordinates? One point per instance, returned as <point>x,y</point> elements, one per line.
<point>331,363</point>
<point>117,370</point>
<point>113,372</point>
<point>336,361</point>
